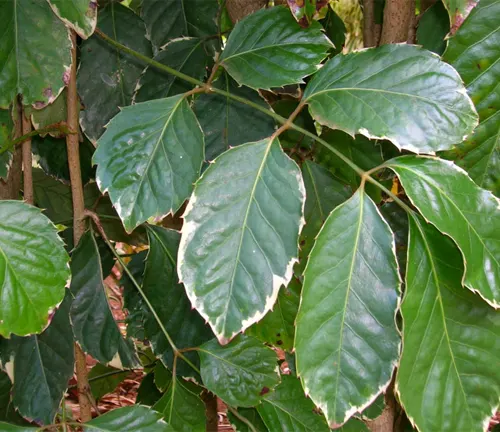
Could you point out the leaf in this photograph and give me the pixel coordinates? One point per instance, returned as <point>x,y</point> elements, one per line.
<point>347,312</point>
<point>104,379</point>
<point>240,372</point>
<point>80,15</point>
<point>289,410</point>
<point>292,139</point>
<point>433,26</point>
<point>354,425</point>
<point>5,427</point>
<point>227,123</point>
<point>305,11</point>
<point>52,156</point>
<point>53,114</point>
<point>147,393</point>
<point>113,85</point>
<point>407,95</point>
<point>451,340</point>
<point>162,288</point>
<point>251,415</point>
<point>269,49</point>
<point>450,200</point>
<point>277,328</point>
<point>182,407</point>
<point>188,56</point>
<point>375,409</point>
<point>43,365</point>
<point>458,9</point>
<point>397,218</point>
<point>170,19</point>
<point>33,284</point>
<point>7,411</point>
<point>474,51</point>
<point>35,53</point>
<point>128,419</point>
<point>239,239</point>
<point>6,129</point>
<point>94,327</point>
<point>323,193</point>
<point>148,159</point>
<point>335,30</point>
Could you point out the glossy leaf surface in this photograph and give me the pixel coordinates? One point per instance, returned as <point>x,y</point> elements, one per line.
<point>447,379</point>
<point>289,410</point>
<point>240,372</point>
<point>129,419</point>
<point>228,123</point>
<point>34,53</point>
<point>94,326</point>
<point>161,285</point>
<point>269,49</point>
<point>239,239</point>
<point>107,77</point>
<point>33,284</point>
<point>450,200</point>
<point>475,52</point>
<point>347,312</point>
<point>148,159</point>
<point>43,365</point>
<point>407,95</point>
<point>80,15</point>
<point>187,55</point>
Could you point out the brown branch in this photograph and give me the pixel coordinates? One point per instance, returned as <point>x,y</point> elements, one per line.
<point>211,411</point>
<point>369,23</point>
<point>27,162</point>
<point>73,146</point>
<point>239,9</point>
<point>397,21</point>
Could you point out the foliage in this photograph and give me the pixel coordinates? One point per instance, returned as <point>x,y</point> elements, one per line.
<point>275,195</point>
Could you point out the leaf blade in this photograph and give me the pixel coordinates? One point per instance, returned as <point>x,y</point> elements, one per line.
<point>80,15</point>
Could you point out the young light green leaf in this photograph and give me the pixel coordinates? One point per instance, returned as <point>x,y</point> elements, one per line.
<point>240,234</point>
<point>451,201</point>
<point>475,51</point>
<point>240,372</point>
<point>395,98</point>
<point>187,55</point>
<point>162,288</point>
<point>148,159</point>
<point>129,419</point>
<point>433,26</point>
<point>107,77</point>
<point>277,328</point>
<point>347,311</point>
<point>252,416</point>
<point>448,379</point>
<point>227,123</point>
<point>6,127</point>
<point>43,365</point>
<point>167,20</point>
<point>269,49</point>
<point>35,56</point>
<point>94,327</point>
<point>182,407</point>
<point>80,15</point>
<point>33,283</point>
<point>288,409</point>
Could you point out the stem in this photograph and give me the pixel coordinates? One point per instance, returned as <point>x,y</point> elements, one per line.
<point>369,23</point>
<point>75,175</point>
<point>241,418</point>
<point>27,162</point>
<point>54,128</point>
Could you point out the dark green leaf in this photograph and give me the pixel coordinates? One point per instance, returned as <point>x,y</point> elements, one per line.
<point>292,139</point>
<point>335,30</point>
<point>240,372</point>
<point>104,379</point>
<point>397,219</point>
<point>129,419</point>
<point>6,127</point>
<point>169,19</point>
<point>80,15</point>
<point>227,123</point>
<point>161,285</point>
<point>251,415</point>
<point>354,425</point>
<point>240,233</point>
<point>33,283</point>
<point>433,26</point>
<point>5,427</point>
<point>475,51</point>
<point>132,299</point>
<point>269,49</point>
<point>448,379</point>
<point>346,339</point>
<point>450,200</point>
<point>35,53</point>
<point>277,328</point>
<point>7,411</point>
<point>148,159</point>
<point>43,365</point>
<point>188,56</point>
<point>407,95</point>
<point>94,327</point>
<point>289,410</point>
<point>107,77</point>
<point>53,114</point>
<point>375,409</point>
<point>305,11</point>
<point>147,393</point>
